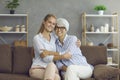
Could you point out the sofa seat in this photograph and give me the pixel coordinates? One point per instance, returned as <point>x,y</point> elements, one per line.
<point>9,76</point>
<point>88,79</point>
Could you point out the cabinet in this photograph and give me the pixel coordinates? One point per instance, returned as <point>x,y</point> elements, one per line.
<point>99,30</point>
<point>19,30</point>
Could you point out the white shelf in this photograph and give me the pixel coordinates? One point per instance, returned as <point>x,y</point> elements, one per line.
<point>113,49</point>
<point>113,64</point>
<point>101,32</point>
<point>105,15</point>
<point>13,32</point>
<point>8,37</point>
<point>102,37</point>
<point>19,15</point>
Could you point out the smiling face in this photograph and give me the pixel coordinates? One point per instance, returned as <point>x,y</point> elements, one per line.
<point>60,31</point>
<point>49,24</point>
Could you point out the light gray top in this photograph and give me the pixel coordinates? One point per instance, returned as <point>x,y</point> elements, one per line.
<point>39,42</point>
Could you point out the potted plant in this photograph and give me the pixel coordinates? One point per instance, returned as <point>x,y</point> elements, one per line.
<point>100,9</point>
<point>12,5</point>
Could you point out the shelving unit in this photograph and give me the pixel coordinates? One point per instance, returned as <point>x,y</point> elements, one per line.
<point>98,36</point>
<point>13,35</point>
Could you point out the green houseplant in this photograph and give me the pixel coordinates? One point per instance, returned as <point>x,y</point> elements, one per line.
<point>100,9</point>
<point>12,5</point>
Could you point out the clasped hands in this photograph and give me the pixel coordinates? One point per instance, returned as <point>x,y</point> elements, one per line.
<point>45,53</point>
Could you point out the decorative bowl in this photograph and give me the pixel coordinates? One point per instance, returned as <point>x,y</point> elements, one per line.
<point>5,28</point>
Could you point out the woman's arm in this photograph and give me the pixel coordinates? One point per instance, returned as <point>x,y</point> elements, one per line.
<point>56,55</point>
<point>63,56</point>
<point>46,53</point>
<point>38,46</point>
<point>72,47</point>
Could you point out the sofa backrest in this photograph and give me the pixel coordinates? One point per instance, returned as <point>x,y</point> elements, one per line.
<point>19,59</point>
<point>22,59</point>
<point>16,60</point>
<point>95,54</point>
<point>5,59</point>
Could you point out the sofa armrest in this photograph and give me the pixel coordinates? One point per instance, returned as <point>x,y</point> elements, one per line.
<point>103,72</point>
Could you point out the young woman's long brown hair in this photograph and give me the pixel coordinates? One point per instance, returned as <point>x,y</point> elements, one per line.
<point>45,19</point>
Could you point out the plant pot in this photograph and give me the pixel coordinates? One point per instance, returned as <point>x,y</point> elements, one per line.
<point>100,12</point>
<point>12,11</point>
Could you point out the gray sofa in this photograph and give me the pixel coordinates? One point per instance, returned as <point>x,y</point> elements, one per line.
<point>15,63</point>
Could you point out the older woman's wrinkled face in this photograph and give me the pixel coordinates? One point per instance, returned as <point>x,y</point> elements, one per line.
<point>60,31</point>
<point>50,24</point>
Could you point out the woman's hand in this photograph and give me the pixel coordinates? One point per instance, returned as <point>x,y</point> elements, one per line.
<point>67,56</point>
<point>78,42</point>
<point>44,53</point>
<point>64,68</point>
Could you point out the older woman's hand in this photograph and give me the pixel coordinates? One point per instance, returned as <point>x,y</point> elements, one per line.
<point>78,42</point>
<point>67,55</point>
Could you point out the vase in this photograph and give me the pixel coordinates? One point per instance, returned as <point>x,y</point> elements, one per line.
<point>100,12</point>
<point>12,11</point>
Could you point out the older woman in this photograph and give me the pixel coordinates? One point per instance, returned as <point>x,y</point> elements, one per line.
<point>76,67</point>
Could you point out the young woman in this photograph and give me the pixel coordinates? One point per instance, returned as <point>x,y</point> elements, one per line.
<point>45,51</point>
<point>76,67</point>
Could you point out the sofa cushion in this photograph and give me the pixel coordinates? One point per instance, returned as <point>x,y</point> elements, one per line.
<point>103,72</point>
<point>7,76</point>
<point>95,54</point>
<point>88,79</point>
<point>22,60</point>
<point>5,58</point>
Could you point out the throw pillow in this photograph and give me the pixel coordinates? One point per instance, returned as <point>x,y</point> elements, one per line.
<point>103,72</point>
